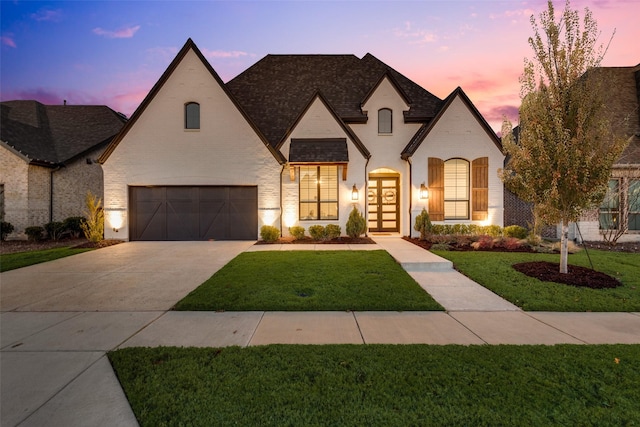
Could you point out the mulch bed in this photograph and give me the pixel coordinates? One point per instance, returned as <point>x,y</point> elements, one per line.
<point>427,245</point>
<point>576,276</point>
<point>14,246</point>
<point>342,240</point>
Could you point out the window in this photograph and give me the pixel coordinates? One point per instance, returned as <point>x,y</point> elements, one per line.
<point>634,204</point>
<point>192,115</point>
<point>610,207</point>
<point>318,192</point>
<point>456,189</point>
<point>384,120</point>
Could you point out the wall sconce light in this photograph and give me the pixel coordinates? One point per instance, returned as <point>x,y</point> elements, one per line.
<point>354,194</point>
<point>115,229</point>
<point>424,191</point>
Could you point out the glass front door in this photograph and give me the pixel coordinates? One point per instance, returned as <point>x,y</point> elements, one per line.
<point>383,201</point>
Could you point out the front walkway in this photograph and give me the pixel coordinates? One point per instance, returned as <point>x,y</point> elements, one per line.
<point>60,318</point>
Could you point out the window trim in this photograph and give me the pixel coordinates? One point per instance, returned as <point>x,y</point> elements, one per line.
<point>467,199</point>
<point>186,116</point>
<point>319,201</point>
<point>612,211</point>
<point>382,132</point>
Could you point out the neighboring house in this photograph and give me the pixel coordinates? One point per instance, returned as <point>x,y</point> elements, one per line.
<point>48,159</point>
<point>296,140</point>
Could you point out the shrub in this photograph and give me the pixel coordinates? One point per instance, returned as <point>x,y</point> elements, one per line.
<point>93,227</point>
<point>512,243</point>
<point>6,228</point>
<point>571,247</point>
<point>317,232</point>
<point>332,231</point>
<point>34,233</point>
<point>297,232</point>
<point>438,229</point>
<point>54,229</point>
<point>492,230</point>
<point>441,247</point>
<point>484,242</point>
<point>269,233</point>
<point>356,225</point>
<point>460,229</point>
<point>515,231</point>
<point>423,224</point>
<point>73,225</point>
<point>474,229</point>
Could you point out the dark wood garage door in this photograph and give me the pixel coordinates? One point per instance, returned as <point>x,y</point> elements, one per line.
<point>193,213</point>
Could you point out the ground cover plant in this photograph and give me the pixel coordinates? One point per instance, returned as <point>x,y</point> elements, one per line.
<point>495,271</point>
<point>382,385</point>
<point>310,281</point>
<point>25,259</point>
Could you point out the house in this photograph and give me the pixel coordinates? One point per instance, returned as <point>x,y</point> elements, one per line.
<point>48,160</point>
<point>296,140</point>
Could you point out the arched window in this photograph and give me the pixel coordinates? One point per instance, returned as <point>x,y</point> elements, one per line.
<point>192,115</point>
<point>456,189</point>
<point>384,120</point>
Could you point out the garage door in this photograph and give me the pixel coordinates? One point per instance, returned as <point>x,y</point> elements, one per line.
<point>193,213</point>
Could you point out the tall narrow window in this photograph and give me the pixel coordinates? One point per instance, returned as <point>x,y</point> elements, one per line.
<point>192,115</point>
<point>456,189</point>
<point>610,207</point>
<point>633,199</point>
<point>318,192</point>
<point>384,120</point>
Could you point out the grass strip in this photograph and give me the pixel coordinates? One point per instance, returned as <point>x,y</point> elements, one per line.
<point>494,271</point>
<point>25,259</point>
<point>310,281</point>
<point>382,385</point>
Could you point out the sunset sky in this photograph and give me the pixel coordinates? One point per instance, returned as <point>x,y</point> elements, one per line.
<point>112,52</point>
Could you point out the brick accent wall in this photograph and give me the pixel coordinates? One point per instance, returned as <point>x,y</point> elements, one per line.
<point>14,177</point>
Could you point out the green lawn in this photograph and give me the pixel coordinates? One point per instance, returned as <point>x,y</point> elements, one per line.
<point>382,385</point>
<point>25,259</point>
<point>310,281</point>
<point>493,270</point>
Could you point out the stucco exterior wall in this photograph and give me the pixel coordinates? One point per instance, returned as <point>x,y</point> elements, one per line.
<point>71,183</point>
<point>157,150</point>
<point>14,172</point>
<point>458,134</point>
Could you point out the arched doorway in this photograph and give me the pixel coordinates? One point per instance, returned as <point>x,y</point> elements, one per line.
<point>383,201</point>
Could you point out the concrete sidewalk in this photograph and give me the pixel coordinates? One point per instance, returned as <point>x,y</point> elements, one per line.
<point>53,364</point>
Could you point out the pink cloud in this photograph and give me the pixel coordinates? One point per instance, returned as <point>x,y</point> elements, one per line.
<point>47,15</point>
<point>46,96</point>
<point>223,54</point>
<point>122,33</point>
<point>7,40</point>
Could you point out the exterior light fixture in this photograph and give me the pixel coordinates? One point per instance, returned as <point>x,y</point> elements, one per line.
<point>354,194</point>
<point>424,191</point>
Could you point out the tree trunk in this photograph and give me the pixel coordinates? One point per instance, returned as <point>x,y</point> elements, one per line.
<point>564,247</point>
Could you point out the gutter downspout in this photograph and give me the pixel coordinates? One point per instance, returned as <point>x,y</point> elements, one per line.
<point>410,192</point>
<point>281,211</point>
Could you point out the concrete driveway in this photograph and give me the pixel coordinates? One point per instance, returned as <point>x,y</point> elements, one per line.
<point>133,276</point>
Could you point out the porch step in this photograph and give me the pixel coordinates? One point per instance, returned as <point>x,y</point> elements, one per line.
<point>443,265</point>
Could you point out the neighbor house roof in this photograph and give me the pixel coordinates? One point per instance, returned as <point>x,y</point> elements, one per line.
<point>276,89</point>
<point>51,135</point>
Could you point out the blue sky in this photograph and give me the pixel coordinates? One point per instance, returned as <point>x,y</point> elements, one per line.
<point>112,52</point>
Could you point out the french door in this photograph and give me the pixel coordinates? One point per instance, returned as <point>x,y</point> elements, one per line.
<point>383,201</point>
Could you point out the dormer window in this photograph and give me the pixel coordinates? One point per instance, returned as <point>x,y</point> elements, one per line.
<point>384,120</point>
<point>192,115</point>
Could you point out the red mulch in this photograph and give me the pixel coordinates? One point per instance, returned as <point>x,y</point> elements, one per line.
<point>427,245</point>
<point>577,276</point>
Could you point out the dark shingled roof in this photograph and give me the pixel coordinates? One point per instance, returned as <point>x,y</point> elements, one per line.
<point>54,134</point>
<point>274,91</point>
<point>319,151</point>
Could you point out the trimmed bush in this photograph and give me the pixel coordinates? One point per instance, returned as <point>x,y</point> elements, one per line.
<point>317,232</point>
<point>492,230</point>
<point>54,229</point>
<point>356,225</point>
<point>515,231</point>
<point>6,228</point>
<point>423,224</point>
<point>73,225</point>
<point>297,232</point>
<point>269,233</point>
<point>332,231</point>
<point>34,233</point>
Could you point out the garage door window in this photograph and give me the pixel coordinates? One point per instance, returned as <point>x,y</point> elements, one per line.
<point>318,192</point>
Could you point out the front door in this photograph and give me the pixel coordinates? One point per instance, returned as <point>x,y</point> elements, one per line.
<point>383,200</point>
